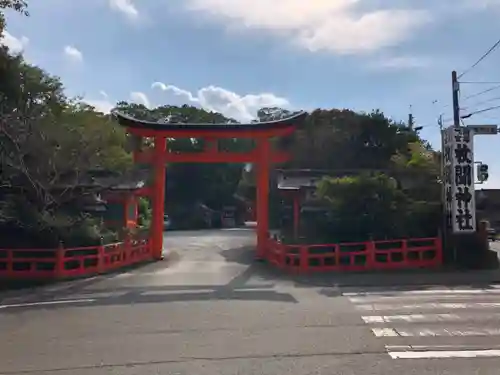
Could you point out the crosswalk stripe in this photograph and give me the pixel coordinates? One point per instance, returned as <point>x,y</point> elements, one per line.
<point>494,289</point>
<point>435,332</point>
<point>384,332</point>
<point>429,318</point>
<point>461,313</point>
<point>430,305</point>
<point>423,297</point>
<point>428,354</point>
<point>412,318</point>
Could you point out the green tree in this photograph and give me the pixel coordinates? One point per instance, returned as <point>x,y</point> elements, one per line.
<point>383,178</point>
<point>184,180</point>
<point>50,144</point>
<point>15,5</point>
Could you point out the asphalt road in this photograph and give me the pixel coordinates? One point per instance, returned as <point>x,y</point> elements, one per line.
<point>215,311</point>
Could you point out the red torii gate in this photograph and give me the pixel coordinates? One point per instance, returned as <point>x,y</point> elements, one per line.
<point>159,155</point>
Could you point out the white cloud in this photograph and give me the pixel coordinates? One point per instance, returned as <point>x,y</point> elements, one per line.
<point>330,25</point>
<point>126,7</point>
<point>15,45</point>
<point>159,85</point>
<point>73,54</point>
<point>230,104</point>
<point>102,105</point>
<point>140,98</point>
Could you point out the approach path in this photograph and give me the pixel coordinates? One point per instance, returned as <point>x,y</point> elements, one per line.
<point>215,311</point>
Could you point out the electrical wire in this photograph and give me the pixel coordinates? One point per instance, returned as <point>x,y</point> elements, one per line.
<point>480,82</point>
<point>480,111</point>
<point>482,102</point>
<point>481,92</point>
<point>492,48</point>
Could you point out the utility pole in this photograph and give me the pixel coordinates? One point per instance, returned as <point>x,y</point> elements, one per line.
<point>410,119</point>
<point>456,107</point>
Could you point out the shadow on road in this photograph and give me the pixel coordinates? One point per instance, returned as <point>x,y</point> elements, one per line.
<point>237,289</point>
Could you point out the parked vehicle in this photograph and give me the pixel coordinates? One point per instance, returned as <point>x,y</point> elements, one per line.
<point>492,232</point>
<point>194,216</point>
<point>167,222</point>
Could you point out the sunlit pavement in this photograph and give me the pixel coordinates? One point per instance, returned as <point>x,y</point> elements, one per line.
<point>215,311</point>
<point>495,245</point>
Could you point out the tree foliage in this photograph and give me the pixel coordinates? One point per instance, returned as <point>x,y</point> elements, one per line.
<point>50,145</point>
<point>381,180</point>
<point>190,183</point>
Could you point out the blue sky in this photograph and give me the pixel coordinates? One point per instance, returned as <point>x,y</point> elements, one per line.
<point>235,56</point>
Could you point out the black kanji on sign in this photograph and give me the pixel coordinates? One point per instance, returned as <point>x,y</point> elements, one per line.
<point>466,134</point>
<point>463,197</point>
<point>463,154</point>
<point>461,134</point>
<point>449,220</point>
<point>463,175</point>
<point>464,219</point>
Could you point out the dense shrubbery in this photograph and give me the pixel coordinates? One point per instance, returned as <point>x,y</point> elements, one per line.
<point>49,145</point>
<point>385,180</point>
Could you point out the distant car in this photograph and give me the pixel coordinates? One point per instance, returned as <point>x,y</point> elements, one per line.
<point>167,222</point>
<point>492,234</point>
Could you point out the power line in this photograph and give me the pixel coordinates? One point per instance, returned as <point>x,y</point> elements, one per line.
<point>480,111</point>
<point>480,82</point>
<point>483,102</point>
<point>482,92</point>
<point>492,48</point>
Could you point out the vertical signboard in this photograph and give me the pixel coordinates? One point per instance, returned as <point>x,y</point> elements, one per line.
<point>447,160</point>
<point>463,207</point>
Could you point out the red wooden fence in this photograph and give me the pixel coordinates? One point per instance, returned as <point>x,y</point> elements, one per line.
<point>362,256</point>
<point>71,262</point>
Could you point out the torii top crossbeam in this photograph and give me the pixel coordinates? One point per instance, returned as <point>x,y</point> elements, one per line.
<point>231,130</point>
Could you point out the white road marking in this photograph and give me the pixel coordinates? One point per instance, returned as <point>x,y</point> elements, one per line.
<point>444,306</point>
<point>427,318</point>
<point>495,290</point>
<point>385,299</point>
<point>445,354</point>
<point>438,332</point>
<point>384,332</point>
<point>59,302</point>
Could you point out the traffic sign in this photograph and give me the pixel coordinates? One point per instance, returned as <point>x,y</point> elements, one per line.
<point>483,129</point>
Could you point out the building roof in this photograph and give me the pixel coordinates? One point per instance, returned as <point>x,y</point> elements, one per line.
<point>100,178</point>
<point>296,183</point>
<point>131,122</point>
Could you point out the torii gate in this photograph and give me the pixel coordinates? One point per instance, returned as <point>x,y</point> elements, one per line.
<point>159,155</point>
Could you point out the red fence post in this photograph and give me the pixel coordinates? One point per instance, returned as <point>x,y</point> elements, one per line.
<point>371,258</point>
<point>404,250</point>
<point>127,250</point>
<point>304,258</point>
<point>439,250</point>
<point>10,263</point>
<point>60,264</point>
<point>100,258</point>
